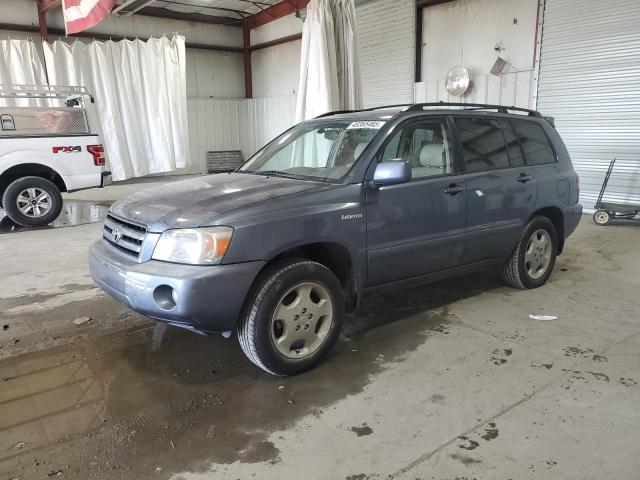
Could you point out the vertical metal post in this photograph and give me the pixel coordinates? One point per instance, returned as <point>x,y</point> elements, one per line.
<point>537,49</point>
<point>248,80</point>
<point>42,21</point>
<point>419,40</point>
<point>44,32</point>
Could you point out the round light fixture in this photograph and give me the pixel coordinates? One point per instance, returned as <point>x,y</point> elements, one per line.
<point>457,80</point>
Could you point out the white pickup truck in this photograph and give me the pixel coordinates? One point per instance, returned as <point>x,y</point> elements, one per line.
<point>48,145</point>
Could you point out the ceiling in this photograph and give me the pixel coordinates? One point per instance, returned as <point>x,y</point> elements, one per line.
<point>229,9</point>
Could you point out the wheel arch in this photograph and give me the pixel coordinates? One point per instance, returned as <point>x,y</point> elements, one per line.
<point>557,218</point>
<point>335,256</point>
<point>31,170</point>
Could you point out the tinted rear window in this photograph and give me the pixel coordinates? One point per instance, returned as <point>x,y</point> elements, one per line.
<point>483,144</point>
<point>515,153</point>
<point>535,143</point>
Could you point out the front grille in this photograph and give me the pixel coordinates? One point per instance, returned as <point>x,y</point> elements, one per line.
<point>124,236</point>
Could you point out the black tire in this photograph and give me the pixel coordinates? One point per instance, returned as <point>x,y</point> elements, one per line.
<point>10,201</point>
<point>255,327</point>
<point>515,272</point>
<point>602,217</point>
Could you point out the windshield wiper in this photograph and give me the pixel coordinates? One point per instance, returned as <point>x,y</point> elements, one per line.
<point>277,173</point>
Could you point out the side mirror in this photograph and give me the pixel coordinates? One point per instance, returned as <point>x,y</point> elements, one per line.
<point>392,172</point>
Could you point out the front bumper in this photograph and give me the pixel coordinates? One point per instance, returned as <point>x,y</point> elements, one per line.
<point>208,298</point>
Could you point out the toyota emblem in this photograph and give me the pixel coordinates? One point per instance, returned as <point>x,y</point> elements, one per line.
<point>116,234</point>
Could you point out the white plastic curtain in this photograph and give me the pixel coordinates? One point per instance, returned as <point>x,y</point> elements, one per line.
<point>20,64</point>
<point>329,70</point>
<point>140,98</point>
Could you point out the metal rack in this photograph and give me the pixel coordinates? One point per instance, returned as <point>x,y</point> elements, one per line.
<point>41,91</point>
<point>45,110</point>
<point>417,107</point>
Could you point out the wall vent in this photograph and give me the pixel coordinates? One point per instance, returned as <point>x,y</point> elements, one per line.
<point>223,160</point>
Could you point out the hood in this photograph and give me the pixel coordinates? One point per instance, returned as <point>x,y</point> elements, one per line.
<point>199,201</point>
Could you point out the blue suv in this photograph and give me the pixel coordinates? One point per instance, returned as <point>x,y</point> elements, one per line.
<point>345,205</point>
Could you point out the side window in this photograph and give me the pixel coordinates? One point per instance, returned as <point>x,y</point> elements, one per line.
<point>483,144</point>
<point>425,145</point>
<point>536,146</point>
<point>515,153</point>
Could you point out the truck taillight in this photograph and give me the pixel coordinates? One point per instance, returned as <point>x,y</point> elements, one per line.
<point>98,154</point>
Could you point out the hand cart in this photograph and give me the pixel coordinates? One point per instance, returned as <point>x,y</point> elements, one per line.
<point>607,211</point>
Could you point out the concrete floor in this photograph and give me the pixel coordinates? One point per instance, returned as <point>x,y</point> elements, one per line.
<point>451,380</point>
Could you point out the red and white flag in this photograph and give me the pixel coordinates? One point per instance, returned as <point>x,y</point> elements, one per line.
<point>82,14</point>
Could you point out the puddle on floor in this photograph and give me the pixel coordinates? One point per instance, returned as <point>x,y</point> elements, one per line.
<point>74,212</point>
<point>112,407</point>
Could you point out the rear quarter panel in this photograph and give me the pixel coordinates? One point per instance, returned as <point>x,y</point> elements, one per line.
<point>76,168</point>
<point>558,183</point>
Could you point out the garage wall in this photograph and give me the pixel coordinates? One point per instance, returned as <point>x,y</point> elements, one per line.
<point>209,73</point>
<point>386,36</point>
<point>276,70</point>
<point>239,124</point>
<point>590,82</point>
<point>467,32</point>
<point>214,74</point>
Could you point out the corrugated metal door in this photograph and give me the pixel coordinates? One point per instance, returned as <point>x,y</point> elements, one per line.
<point>386,40</point>
<point>590,82</point>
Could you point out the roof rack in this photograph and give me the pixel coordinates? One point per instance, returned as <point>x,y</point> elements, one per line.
<point>416,107</point>
<point>475,106</point>
<point>338,112</point>
<point>41,91</point>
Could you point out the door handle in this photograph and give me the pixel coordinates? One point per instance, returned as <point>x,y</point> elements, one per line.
<point>525,177</point>
<point>454,189</point>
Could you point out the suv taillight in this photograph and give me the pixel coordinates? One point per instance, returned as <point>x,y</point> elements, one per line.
<point>578,186</point>
<point>98,154</point>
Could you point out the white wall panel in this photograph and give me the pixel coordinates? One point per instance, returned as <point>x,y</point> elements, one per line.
<point>466,32</point>
<point>276,70</point>
<point>513,89</point>
<point>386,38</point>
<point>282,27</point>
<point>214,74</point>
<point>240,124</point>
<point>590,82</point>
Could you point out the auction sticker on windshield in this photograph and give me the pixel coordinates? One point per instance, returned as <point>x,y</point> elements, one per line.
<point>373,124</point>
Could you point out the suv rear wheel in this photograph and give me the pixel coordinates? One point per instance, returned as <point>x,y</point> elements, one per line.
<point>292,318</point>
<point>32,201</point>
<point>532,262</point>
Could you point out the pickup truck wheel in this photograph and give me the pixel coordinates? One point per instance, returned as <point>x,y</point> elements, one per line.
<point>32,201</point>
<point>292,318</point>
<point>532,262</point>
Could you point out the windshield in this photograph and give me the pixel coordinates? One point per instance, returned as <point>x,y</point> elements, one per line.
<point>318,150</point>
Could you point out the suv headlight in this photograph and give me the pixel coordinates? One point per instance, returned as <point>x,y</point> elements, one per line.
<point>194,246</point>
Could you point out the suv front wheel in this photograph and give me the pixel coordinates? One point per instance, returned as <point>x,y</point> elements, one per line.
<point>532,262</point>
<point>292,318</point>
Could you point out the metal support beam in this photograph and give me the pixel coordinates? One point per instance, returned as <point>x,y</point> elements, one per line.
<point>275,11</point>
<point>54,32</point>
<point>42,23</point>
<point>46,5</point>
<point>419,41</point>
<point>431,3</point>
<point>189,17</point>
<point>277,41</point>
<point>248,80</point>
